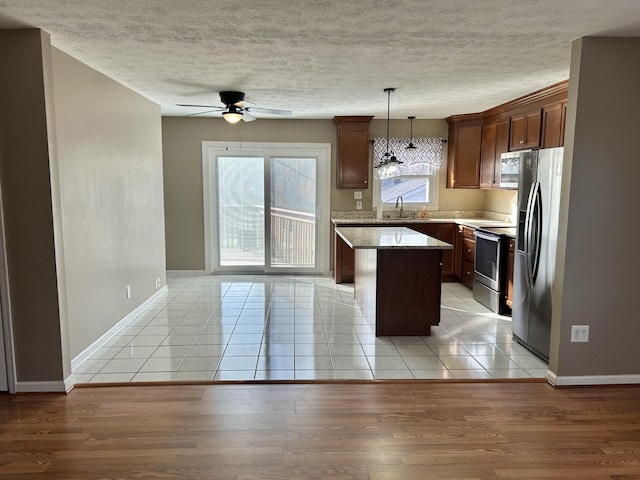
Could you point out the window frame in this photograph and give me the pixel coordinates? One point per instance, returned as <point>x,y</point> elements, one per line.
<point>433,186</point>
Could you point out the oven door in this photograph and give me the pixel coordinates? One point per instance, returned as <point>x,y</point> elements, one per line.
<point>487,260</point>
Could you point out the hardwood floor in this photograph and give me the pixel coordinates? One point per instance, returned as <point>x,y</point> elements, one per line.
<point>377,431</point>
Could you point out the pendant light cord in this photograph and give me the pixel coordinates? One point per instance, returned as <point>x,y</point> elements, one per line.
<point>388,115</point>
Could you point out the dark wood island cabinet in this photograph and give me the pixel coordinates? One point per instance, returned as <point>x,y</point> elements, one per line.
<point>397,278</point>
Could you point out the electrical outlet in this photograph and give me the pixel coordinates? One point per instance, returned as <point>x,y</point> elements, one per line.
<point>357,195</point>
<point>157,283</point>
<point>580,333</point>
<point>358,204</point>
<point>128,291</point>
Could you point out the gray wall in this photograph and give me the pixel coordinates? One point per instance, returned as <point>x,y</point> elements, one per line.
<point>81,178</point>
<point>110,171</point>
<point>598,262</point>
<point>26,138</point>
<point>182,155</point>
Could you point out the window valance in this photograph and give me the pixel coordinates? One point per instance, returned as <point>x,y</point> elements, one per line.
<point>415,161</point>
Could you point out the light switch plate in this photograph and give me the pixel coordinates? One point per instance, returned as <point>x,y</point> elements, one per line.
<point>357,195</point>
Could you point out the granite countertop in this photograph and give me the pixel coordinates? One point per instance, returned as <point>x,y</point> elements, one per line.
<point>383,237</point>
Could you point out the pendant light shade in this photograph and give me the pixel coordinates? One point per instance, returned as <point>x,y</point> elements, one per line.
<point>388,166</point>
<point>411,146</point>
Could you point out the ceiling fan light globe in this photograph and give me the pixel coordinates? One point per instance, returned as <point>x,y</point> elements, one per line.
<point>232,117</point>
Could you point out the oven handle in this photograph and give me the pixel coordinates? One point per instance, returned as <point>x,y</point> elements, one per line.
<point>487,236</point>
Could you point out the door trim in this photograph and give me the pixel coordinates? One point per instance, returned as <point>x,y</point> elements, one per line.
<point>322,151</point>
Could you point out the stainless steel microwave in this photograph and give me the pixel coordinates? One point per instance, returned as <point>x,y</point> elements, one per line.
<point>509,169</point>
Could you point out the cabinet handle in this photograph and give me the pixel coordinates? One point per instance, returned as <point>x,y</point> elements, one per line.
<point>521,142</point>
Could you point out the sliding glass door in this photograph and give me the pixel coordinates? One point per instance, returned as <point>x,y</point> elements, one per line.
<point>292,212</point>
<point>240,206</point>
<point>265,213</point>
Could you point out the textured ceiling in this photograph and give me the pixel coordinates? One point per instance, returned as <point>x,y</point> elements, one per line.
<point>328,57</point>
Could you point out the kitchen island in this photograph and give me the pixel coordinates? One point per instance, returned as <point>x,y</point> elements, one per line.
<point>397,277</point>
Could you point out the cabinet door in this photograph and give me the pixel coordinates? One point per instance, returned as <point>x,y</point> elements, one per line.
<point>465,165</point>
<point>563,122</point>
<point>525,130</point>
<point>509,289</point>
<point>517,132</point>
<point>502,142</point>
<point>343,261</point>
<point>552,131</point>
<point>457,252</point>
<point>447,233</point>
<point>352,165</point>
<point>488,164</point>
<point>533,128</point>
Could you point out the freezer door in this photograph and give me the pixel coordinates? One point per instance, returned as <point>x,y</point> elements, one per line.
<point>545,214</point>
<point>521,298</point>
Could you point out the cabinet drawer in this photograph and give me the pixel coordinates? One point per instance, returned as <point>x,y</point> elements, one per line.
<point>469,233</point>
<point>469,251</point>
<point>467,274</point>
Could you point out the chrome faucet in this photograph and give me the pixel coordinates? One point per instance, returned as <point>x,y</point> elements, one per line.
<point>401,200</point>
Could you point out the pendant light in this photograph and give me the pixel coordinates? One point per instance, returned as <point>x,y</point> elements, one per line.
<point>388,166</point>
<point>411,146</point>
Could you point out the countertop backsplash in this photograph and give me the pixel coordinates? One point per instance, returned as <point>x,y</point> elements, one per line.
<point>414,214</point>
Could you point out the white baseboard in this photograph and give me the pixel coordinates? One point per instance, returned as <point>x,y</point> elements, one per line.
<point>91,349</point>
<point>41,387</point>
<point>584,380</point>
<point>186,272</point>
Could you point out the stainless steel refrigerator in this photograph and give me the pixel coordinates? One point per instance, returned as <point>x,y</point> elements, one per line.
<point>539,181</point>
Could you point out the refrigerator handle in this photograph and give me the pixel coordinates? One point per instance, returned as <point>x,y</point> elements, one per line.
<point>537,217</point>
<point>527,233</point>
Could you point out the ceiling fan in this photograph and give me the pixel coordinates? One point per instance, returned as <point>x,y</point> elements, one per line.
<point>235,108</point>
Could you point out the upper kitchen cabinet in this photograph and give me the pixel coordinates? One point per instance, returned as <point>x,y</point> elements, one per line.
<point>352,163</point>
<point>495,142</point>
<point>553,121</point>
<point>465,144</point>
<point>525,130</point>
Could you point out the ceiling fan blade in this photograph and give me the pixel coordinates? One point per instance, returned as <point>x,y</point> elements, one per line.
<point>247,117</point>
<point>200,113</point>
<point>268,111</point>
<point>199,106</point>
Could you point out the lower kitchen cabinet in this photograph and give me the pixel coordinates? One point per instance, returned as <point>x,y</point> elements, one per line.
<point>509,287</point>
<point>343,260</point>
<point>445,232</point>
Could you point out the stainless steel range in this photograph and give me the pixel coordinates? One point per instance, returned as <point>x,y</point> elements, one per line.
<point>491,267</point>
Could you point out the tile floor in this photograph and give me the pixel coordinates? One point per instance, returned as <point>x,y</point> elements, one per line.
<point>245,327</point>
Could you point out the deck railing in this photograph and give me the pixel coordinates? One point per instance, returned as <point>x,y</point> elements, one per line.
<point>292,237</point>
